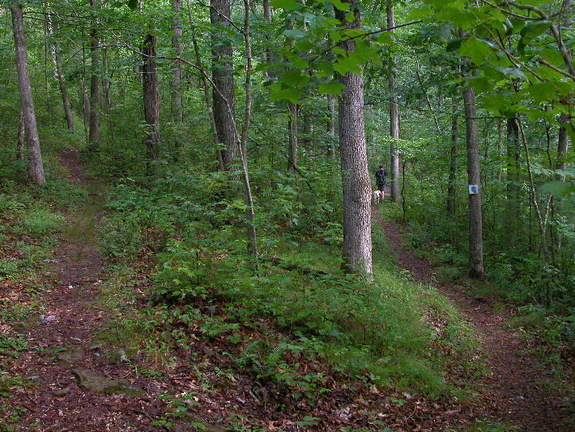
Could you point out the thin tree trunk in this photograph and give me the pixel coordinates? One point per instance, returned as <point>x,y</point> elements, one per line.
<point>357,247</point>
<point>207,85</point>
<point>451,183</point>
<point>223,80</point>
<point>332,115</point>
<point>562,148</point>
<point>393,116</point>
<point>513,165</point>
<point>21,139</point>
<point>308,132</point>
<point>248,197</point>
<point>57,60</point>
<point>35,164</point>
<point>151,98</point>
<point>178,46</point>
<point>94,137</point>
<point>476,269</point>
<point>293,137</point>
<point>106,83</point>
<point>267,18</point>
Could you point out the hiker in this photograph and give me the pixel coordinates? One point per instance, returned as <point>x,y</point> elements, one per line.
<point>380,178</point>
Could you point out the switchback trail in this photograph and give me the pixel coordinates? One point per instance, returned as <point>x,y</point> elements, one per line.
<point>516,391</point>
<point>75,380</point>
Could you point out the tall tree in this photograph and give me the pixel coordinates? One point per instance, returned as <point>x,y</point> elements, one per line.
<point>357,247</point>
<point>94,137</point>
<point>248,196</point>
<point>476,269</point>
<point>331,121</point>
<point>57,59</point>
<point>293,146</point>
<point>393,113</point>
<point>178,46</point>
<point>35,164</point>
<point>151,98</point>
<point>223,83</point>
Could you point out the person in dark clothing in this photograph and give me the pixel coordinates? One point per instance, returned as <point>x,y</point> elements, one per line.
<point>380,180</point>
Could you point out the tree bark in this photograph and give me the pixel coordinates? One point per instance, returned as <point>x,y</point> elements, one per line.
<point>331,121</point>
<point>293,137</point>
<point>56,58</point>
<point>357,246</point>
<point>151,98</point>
<point>562,147</point>
<point>308,132</point>
<point>178,46</point>
<point>223,81</point>
<point>476,269</point>
<point>451,193</point>
<point>21,138</point>
<point>94,137</point>
<point>395,169</point>
<point>35,164</point>
<point>513,166</point>
<point>248,196</point>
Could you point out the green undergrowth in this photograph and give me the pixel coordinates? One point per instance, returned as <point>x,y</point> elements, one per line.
<point>31,221</point>
<point>296,307</point>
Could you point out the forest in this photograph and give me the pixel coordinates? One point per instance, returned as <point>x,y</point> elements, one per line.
<point>187,211</point>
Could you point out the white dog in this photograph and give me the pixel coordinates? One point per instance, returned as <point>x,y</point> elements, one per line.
<point>378,196</point>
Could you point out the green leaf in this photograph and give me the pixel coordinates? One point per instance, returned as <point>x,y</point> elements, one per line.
<point>294,77</point>
<point>419,13</point>
<point>455,44</point>
<point>339,5</point>
<point>295,33</point>
<point>558,188</point>
<point>285,4</point>
<point>281,93</point>
<point>532,30</point>
<point>332,87</point>
<point>385,38</point>
<point>133,4</point>
<point>511,72</point>
<point>477,50</point>
<point>347,64</point>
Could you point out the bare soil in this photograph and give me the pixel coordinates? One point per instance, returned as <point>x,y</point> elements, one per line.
<point>65,339</point>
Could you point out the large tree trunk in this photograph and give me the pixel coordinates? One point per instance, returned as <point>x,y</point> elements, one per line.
<point>35,164</point>
<point>223,81</point>
<point>393,116</point>
<point>476,269</point>
<point>94,113</point>
<point>151,98</point>
<point>357,248</point>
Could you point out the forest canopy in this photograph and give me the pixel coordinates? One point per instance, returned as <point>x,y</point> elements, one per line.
<point>271,118</point>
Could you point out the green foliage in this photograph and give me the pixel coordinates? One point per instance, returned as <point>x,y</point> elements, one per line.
<point>41,222</point>
<point>12,346</point>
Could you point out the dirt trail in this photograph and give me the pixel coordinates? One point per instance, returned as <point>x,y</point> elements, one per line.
<point>64,350</point>
<point>517,391</point>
